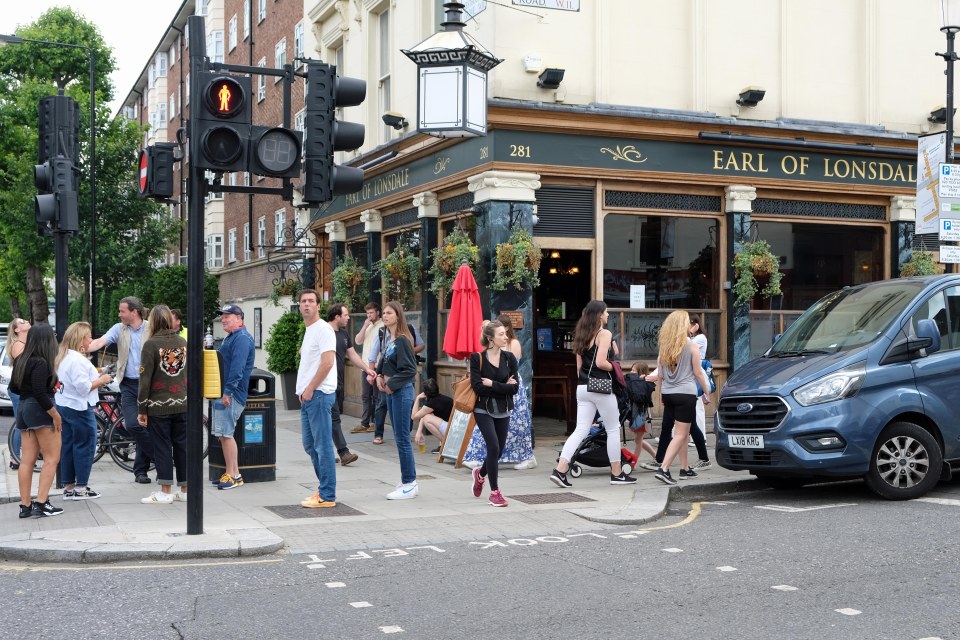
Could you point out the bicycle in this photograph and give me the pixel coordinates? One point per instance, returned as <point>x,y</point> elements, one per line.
<point>100,450</point>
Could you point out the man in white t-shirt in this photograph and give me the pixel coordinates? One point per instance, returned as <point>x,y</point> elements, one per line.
<point>317,389</point>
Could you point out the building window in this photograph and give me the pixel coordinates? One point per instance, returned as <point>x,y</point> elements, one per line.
<point>212,195</point>
<point>261,82</point>
<point>279,57</point>
<point>261,10</point>
<point>279,225</point>
<point>246,19</point>
<point>215,46</point>
<point>161,65</point>
<point>299,120</point>
<point>232,245</point>
<point>246,241</point>
<point>161,114</point>
<point>173,53</point>
<point>298,41</point>
<point>232,34</point>
<point>214,251</point>
<point>261,236</point>
<point>201,8</point>
<point>186,85</point>
<point>383,72</point>
<point>151,76</point>
<point>246,178</point>
<point>173,105</point>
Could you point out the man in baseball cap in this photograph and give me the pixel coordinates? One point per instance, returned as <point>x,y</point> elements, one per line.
<point>231,309</point>
<point>237,350</point>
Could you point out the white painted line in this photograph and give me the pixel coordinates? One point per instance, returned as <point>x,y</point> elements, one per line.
<point>848,612</point>
<point>785,509</point>
<point>932,638</point>
<point>360,605</point>
<point>673,550</point>
<point>335,585</point>
<point>726,568</point>
<point>391,629</point>
<point>784,587</point>
<point>944,501</point>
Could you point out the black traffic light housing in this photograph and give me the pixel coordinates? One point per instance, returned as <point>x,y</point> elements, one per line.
<point>325,134</point>
<point>155,171</point>
<point>59,128</point>
<point>222,122</point>
<point>55,206</point>
<point>275,152</point>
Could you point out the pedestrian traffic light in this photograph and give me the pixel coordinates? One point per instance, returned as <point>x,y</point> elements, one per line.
<point>55,206</point>
<point>326,92</point>
<point>222,122</point>
<point>155,171</point>
<point>275,152</point>
<point>59,128</point>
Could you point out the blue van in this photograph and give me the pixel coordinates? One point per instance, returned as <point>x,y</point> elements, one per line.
<point>866,383</point>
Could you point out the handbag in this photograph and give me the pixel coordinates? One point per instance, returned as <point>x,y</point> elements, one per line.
<point>708,371</point>
<point>598,385</point>
<point>618,373</point>
<point>464,397</point>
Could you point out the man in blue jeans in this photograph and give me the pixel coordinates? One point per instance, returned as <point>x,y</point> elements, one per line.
<point>317,388</point>
<point>237,351</point>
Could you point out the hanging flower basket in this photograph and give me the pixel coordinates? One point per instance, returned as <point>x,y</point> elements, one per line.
<point>921,263</point>
<point>756,260</point>
<point>400,272</point>
<point>351,283</point>
<point>517,262</point>
<point>457,249</point>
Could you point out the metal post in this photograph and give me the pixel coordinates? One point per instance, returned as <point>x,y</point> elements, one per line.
<point>950,56</point>
<point>93,191</point>
<point>60,288</point>
<point>195,332</point>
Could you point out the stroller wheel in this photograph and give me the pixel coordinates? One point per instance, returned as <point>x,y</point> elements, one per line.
<point>627,468</point>
<point>575,470</point>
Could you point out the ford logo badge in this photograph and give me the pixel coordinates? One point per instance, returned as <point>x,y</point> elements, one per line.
<point>744,407</point>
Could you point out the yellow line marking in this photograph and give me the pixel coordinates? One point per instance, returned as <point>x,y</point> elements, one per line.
<point>108,567</point>
<point>694,513</point>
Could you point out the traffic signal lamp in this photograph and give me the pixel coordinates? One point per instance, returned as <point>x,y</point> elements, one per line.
<point>326,92</point>
<point>55,207</point>
<point>155,171</point>
<point>59,128</point>
<point>275,152</point>
<point>222,122</point>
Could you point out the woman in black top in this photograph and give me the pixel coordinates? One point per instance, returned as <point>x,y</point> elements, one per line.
<point>493,376</point>
<point>34,378</point>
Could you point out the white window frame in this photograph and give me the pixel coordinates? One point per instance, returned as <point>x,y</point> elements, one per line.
<point>298,43</point>
<point>215,46</point>
<point>173,53</point>
<point>279,57</point>
<point>262,82</point>
<point>261,11</point>
<point>246,242</point>
<point>261,236</point>
<point>173,106</point>
<point>201,8</point>
<point>186,85</point>
<point>246,19</point>
<point>232,245</point>
<point>384,54</point>
<point>279,225</point>
<point>232,33</point>
<point>161,64</point>
<point>161,113</point>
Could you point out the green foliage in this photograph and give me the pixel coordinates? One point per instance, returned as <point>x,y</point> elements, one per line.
<point>351,283</point>
<point>289,287</point>
<point>166,285</point>
<point>755,259</point>
<point>517,263</point>
<point>921,263</point>
<point>400,271</point>
<point>457,249</point>
<point>283,343</point>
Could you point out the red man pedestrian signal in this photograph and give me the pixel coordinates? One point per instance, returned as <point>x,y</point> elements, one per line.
<point>225,97</point>
<point>223,122</point>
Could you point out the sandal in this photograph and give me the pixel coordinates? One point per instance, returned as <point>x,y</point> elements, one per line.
<point>378,440</point>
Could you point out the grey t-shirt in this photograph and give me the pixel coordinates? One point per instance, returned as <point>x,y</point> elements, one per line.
<point>679,380</point>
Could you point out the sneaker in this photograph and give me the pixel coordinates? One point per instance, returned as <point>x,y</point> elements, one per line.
<point>316,502</point>
<point>371,429</point>
<point>472,464</point>
<point>83,493</point>
<point>691,444</point>
<point>26,510</point>
<point>497,499</point>
<point>405,491</point>
<point>531,463</point>
<point>45,509</point>
<point>664,476</point>
<point>686,474</point>
<point>360,428</point>
<point>142,478</point>
<point>158,497</point>
<point>231,482</point>
<point>180,496</point>
<point>649,466</point>
<point>702,464</point>
<point>223,478</point>
<point>14,466</point>
<point>435,451</point>
<point>478,481</point>
<point>560,479</point>
<point>348,457</point>
<point>68,494</point>
<point>622,479</point>
<point>314,498</point>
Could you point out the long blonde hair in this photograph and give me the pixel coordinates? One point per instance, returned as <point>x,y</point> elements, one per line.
<point>72,341</point>
<point>673,337</point>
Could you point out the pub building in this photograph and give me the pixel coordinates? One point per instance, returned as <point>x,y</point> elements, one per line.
<point>641,208</point>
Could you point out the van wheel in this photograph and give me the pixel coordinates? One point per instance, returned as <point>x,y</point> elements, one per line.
<point>781,483</point>
<point>906,462</point>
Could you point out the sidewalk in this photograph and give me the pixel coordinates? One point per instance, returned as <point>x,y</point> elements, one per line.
<point>264,517</point>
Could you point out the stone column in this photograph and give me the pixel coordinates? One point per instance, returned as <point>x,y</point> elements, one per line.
<point>337,233</point>
<point>373,227</point>
<point>502,200</point>
<point>903,218</point>
<point>738,207</point>
<point>428,210</point>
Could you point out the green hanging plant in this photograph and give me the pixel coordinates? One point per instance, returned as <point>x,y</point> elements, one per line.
<point>755,259</point>
<point>400,274</point>
<point>921,263</point>
<point>287,287</point>
<point>517,262</point>
<point>351,283</point>
<point>457,249</point>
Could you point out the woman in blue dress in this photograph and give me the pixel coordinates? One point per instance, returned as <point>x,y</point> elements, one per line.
<point>519,445</point>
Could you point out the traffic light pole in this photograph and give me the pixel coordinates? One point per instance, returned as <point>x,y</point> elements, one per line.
<point>60,288</point>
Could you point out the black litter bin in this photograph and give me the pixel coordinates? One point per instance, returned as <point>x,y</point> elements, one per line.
<point>256,434</point>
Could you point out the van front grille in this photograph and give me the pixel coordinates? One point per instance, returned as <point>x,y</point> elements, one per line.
<point>754,414</point>
<point>752,457</point>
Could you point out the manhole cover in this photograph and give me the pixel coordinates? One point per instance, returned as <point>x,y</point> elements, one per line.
<point>550,498</point>
<point>294,511</point>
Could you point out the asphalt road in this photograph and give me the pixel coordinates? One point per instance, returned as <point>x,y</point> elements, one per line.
<point>825,562</point>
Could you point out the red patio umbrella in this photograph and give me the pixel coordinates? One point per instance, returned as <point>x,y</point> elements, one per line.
<point>466,317</point>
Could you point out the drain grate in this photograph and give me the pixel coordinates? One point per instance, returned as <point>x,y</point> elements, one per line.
<point>550,498</point>
<point>293,511</point>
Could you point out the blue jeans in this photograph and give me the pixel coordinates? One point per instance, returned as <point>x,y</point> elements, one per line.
<point>129,388</point>
<point>316,431</point>
<point>15,401</point>
<point>78,444</point>
<point>400,404</point>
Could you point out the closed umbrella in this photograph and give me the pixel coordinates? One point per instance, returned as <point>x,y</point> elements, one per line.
<point>466,317</point>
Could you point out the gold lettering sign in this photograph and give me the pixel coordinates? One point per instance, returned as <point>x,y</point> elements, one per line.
<point>516,319</point>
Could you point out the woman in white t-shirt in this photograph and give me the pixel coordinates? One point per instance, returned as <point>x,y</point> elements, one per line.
<point>75,398</point>
<point>698,432</point>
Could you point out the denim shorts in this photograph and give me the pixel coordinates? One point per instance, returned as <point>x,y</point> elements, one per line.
<point>32,416</point>
<point>225,418</point>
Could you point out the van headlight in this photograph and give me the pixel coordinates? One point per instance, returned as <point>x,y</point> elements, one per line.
<point>835,386</point>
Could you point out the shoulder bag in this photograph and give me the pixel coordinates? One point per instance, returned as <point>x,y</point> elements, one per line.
<point>598,385</point>
<point>464,397</point>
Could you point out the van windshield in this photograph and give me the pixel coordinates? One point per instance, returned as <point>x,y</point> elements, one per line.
<point>847,319</point>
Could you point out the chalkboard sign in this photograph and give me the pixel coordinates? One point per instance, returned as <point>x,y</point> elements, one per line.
<point>457,438</point>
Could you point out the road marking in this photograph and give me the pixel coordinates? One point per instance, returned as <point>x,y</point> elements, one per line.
<point>848,612</point>
<point>335,585</point>
<point>672,550</point>
<point>360,605</point>
<point>141,567</point>
<point>784,587</point>
<point>391,629</point>
<point>944,501</point>
<point>785,509</point>
<point>726,568</point>
<point>694,513</point>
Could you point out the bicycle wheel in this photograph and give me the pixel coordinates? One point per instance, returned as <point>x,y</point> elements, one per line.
<point>102,429</point>
<point>122,446</point>
<point>206,436</point>
<point>14,454</point>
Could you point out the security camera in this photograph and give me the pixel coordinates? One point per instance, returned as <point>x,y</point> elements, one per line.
<point>395,120</point>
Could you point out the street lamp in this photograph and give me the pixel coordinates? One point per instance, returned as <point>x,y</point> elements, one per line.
<point>61,288</point>
<point>950,25</point>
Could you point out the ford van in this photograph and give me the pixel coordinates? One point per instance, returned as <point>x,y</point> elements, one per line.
<point>866,383</point>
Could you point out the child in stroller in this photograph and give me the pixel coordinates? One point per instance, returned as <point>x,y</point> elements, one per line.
<point>592,452</point>
<point>640,396</point>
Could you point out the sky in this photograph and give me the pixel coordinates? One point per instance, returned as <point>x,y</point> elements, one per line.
<point>130,28</point>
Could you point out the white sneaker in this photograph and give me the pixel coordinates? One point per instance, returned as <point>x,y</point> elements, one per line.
<point>531,463</point>
<point>472,464</point>
<point>405,491</point>
<point>158,497</point>
<point>179,496</point>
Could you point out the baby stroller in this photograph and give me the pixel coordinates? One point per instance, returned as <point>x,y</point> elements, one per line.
<point>592,452</point>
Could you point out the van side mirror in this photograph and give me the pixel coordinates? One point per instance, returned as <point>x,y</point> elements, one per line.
<point>928,337</point>
<point>776,337</point>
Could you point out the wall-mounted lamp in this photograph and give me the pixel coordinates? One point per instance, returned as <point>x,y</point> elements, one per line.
<point>395,120</point>
<point>939,115</point>
<point>554,254</point>
<point>550,78</point>
<point>751,96</point>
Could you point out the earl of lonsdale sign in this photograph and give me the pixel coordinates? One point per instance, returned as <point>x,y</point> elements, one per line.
<point>642,156</point>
